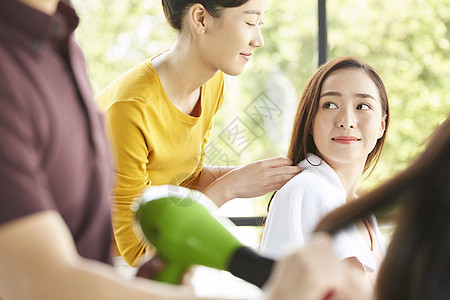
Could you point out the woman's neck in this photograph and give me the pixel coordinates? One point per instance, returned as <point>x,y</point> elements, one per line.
<point>182,71</point>
<point>46,6</point>
<point>350,177</point>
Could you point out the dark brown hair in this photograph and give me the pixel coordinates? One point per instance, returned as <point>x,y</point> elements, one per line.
<point>174,10</point>
<point>417,264</point>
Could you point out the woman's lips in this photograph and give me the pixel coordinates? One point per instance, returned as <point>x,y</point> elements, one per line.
<point>345,139</point>
<point>246,56</point>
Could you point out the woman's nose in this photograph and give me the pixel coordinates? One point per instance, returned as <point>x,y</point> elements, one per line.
<point>346,119</point>
<point>258,39</point>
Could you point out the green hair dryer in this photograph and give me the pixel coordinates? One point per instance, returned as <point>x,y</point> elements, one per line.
<point>178,223</point>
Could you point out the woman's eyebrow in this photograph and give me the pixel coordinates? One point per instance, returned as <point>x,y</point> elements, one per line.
<point>363,95</point>
<point>357,95</point>
<point>253,12</point>
<point>331,94</point>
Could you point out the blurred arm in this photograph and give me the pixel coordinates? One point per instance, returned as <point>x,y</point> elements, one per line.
<point>39,261</point>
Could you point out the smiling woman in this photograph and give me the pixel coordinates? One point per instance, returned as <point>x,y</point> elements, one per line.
<point>159,114</point>
<point>338,134</point>
<point>349,120</point>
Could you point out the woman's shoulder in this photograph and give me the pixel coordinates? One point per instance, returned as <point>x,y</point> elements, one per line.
<point>133,84</point>
<point>316,182</point>
<point>141,79</point>
<point>305,178</point>
<point>302,185</point>
<point>315,172</point>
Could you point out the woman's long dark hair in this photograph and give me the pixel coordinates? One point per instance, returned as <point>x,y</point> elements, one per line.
<point>417,264</point>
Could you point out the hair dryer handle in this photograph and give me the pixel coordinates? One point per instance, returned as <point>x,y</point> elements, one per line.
<point>250,266</point>
<point>172,272</point>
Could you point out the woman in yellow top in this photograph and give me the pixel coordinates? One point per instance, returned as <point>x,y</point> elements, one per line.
<point>160,113</point>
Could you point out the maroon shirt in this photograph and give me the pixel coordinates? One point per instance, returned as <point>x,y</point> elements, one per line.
<point>54,153</point>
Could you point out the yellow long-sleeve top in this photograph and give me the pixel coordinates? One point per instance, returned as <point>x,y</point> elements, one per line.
<point>154,143</point>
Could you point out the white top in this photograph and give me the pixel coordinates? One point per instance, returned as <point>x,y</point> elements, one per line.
<point>299,205</point>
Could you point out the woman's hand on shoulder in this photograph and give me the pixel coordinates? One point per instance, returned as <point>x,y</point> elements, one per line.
<point>262,177</point>
<point>253,180</point>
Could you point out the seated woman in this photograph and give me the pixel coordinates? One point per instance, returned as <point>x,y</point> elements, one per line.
<point>338,135</point>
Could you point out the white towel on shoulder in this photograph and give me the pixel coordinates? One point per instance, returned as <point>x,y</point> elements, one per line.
<point>300,204</point>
